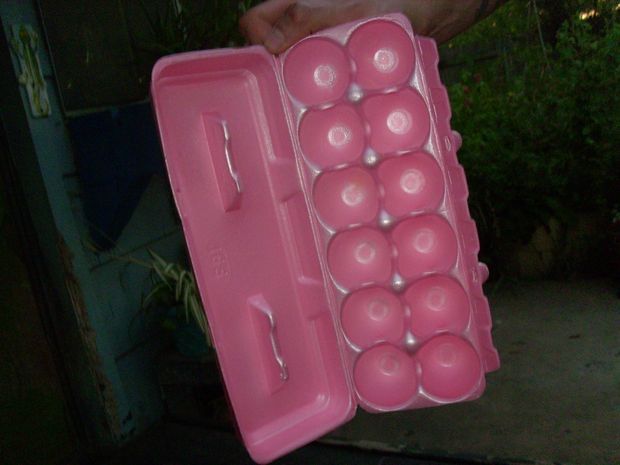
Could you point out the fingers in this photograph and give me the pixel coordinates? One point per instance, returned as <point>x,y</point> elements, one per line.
<point>297,22</point>
<point>307,17</point>
<point>278,24</point>
<point>257,23</point>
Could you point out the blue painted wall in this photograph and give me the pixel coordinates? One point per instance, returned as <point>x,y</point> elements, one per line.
<point>126,343</point>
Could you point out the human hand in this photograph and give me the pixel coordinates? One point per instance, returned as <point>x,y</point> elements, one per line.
<point>277,24</point>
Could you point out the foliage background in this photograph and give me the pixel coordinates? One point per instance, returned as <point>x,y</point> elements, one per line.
<point>540,122</point>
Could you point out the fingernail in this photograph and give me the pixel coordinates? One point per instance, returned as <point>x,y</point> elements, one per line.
<point>274,40</point>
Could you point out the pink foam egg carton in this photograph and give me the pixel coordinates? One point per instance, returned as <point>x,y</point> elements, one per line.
<point>326,217</point>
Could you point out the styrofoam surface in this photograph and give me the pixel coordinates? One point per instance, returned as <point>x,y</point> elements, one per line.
<point>326,217</point>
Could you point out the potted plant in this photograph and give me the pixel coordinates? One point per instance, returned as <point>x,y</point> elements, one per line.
<point>174,290</point>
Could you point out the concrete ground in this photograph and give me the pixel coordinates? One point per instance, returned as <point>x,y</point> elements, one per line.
<point>174,444</point>
<point>556,399</point>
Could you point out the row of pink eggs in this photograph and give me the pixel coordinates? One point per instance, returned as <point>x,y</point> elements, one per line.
<point>410,183</point>
<point>374,314</point>
<point>318,70</point>
<point>446,367</point>
<point>424,244</point>
<point>334,136</point>
<point>374,320</point>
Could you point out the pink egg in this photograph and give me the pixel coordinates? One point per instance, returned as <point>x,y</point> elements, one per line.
<point>346,197</point>
<point>451,368</point>
<point>316,71</point>
<point>385,377</point>
<point>437,303</point>
<point>359,256</point>
<point>373,315</point>
<point>398,121</point>
<point>412,182</point>
<point>383,54</point>
<point>425,244</point>
<point>332,137</point>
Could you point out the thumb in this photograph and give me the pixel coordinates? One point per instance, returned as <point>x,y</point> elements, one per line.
<point>297,22</point>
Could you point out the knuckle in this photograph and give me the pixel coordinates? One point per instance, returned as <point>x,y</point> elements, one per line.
<point>299,14</point>
<point>245,20</point>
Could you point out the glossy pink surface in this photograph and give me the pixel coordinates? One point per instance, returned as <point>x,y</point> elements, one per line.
<point>332,137</point>
<point>412,182</point>
<point>385,376</point>
<point>437,304</point>
<point>373,315</point>
<point>383,55</point>
<point>451,368</point>
<point>317,70</point>
<point>425,244</point>
<point>346,197</point>
<point>358,257</point>
<point>326,217</point>
<point>398,121</point>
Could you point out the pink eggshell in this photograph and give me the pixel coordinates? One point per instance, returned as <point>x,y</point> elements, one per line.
<point>360,256</point>
<point>425,244</point>
<point>385,376</point>
<point>412,182</point>
<point>316,71</point>
<point>383,54</point>
<point>333,136</point>
<point>437,304</point>
<point>451,368</point>
<point>373,315</point>
<point>398,121</point>
<point>346,197</point>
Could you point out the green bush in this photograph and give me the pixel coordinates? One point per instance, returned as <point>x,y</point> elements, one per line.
<point>541,127</point>
<point>184,25</point>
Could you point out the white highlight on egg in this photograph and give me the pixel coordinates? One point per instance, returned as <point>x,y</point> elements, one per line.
<point>324,76</point>
<point>365,253</point>
<point>339,136</point>
<point>424,241</point>
<point>436,298</point>
<point>412,181</point>
<point>389,365</point>
<point>378,310</point>
<point>385,60</point>
<point>399,121</point>
<point>352,195</point>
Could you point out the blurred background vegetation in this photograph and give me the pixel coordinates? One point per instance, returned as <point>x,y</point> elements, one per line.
<point>180,26</point>
<point>534,94</point>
